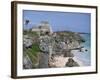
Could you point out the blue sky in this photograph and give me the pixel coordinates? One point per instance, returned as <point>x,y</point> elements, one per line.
<point>59,21</point>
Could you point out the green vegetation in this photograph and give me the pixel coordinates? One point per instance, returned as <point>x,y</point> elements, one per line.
<point>33,34</point>
<point>33,54</point>
<point>30,33</point>
<point>71,36</point>
<point>33,51</point>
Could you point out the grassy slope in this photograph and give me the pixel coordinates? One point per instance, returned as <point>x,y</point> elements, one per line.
<point>33,52</point>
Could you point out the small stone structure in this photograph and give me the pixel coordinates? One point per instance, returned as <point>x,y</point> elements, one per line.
<point>42,27</point>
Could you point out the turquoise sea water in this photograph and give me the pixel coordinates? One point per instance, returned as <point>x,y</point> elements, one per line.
<point>85,56</point>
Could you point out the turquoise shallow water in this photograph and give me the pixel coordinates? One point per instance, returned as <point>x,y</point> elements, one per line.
<point>85,56</point>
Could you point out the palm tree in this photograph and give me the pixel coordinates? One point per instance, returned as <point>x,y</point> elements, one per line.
<point>27,22</point>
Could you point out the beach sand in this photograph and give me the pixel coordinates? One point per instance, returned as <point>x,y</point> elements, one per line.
<point>60,61</point>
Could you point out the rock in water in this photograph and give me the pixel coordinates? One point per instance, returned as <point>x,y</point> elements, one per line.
<point>71,63</point>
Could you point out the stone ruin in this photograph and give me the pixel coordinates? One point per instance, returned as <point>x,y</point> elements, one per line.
<point>55,48</point>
